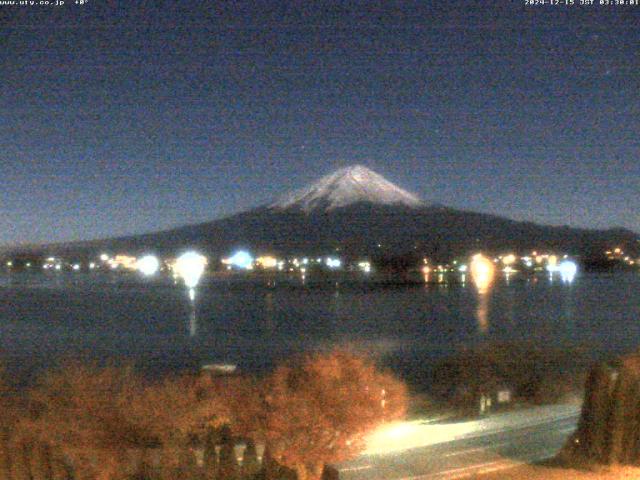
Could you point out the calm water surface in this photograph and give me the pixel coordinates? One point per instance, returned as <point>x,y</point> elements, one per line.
<point>44,318</point>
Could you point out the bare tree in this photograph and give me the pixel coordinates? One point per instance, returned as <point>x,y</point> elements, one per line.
<point>317,411</point>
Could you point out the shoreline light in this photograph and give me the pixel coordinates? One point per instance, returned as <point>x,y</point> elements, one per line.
<point>240,259</point>
<point>333,262</point>
<point>568,270</point>
<point>509,259</point>
<point>482,272</point>
<point>365,266</point>
<point>267,261</point>
<point>190,267</point>
<point>148,265</point>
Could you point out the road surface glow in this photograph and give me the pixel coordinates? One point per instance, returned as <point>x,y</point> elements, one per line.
<point>428,450</point>
<point>398,436</point>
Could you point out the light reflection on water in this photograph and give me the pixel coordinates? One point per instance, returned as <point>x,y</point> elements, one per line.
<point>483,276</point>
<point>193,319</point>
<point>42,316</point>
<point>193,323</point>
<point>482,312</point>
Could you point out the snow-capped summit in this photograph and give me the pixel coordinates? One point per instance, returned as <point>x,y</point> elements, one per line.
<point>347,186</point>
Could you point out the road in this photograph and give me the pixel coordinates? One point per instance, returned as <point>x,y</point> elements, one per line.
<point>420,450</point>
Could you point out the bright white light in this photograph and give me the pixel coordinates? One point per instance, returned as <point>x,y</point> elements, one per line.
<point>333,262</point>
<point>462,268</point>
<point>92,265</point>
<point>76,267</point>
<point>398,436</point>
<point>482,272</point>
<point>148,265</point>
<point>568,270</point>
<point>190,267</point>
<point>104,257</point>
<point>240,259</point>
<point>365,267</point>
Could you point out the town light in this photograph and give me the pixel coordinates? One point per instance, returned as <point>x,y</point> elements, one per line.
<point>267,261</point>
<point>568,270</point>
<point>365,267</point>
<point>509,259</point>
<point>240,259</point>
<point>482,272</point>
<point>190,267</point>
<point>148,265</point>
<point>333,262</point>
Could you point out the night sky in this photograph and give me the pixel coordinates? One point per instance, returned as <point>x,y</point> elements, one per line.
<point>122,117</point>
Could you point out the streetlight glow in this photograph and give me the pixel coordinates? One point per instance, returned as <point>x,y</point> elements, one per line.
<point>190,267</point>
<point>568,270</point>
<point>482,272</point>
<point>333,262</point>
<point>240,259</point>
<point>148,265</point>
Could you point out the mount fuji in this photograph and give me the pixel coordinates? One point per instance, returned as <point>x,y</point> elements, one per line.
<point>345,187</point>
<point>356,211</point>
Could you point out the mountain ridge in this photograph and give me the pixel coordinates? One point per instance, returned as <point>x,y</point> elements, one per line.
<point>381,220</point>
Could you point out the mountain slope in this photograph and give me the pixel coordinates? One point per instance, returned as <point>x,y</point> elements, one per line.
<point>356,211</point>
<point>344,187</point>
<point>365,229</point>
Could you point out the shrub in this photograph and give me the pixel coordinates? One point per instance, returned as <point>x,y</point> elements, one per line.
<point>317,410</point>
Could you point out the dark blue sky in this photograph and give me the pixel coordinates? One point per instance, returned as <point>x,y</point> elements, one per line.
<point>124,117</point>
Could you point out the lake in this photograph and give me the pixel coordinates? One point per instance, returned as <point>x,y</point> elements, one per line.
<point>154,324</point>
